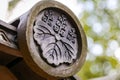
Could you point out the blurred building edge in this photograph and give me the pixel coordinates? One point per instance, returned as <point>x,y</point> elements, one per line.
<point>3,9</point>
<point>115,76</point>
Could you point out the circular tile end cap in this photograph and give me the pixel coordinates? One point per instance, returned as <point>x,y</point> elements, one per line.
<point>52,40</point>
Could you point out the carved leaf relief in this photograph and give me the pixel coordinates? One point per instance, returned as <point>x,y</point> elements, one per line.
<point>58,44</point>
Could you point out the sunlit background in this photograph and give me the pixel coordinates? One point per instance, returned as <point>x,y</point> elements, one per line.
<point>101,22</point>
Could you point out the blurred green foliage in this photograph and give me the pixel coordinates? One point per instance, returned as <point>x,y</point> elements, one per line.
<point>12,4</point>
<point>101,66</point>
<point>101,22</point>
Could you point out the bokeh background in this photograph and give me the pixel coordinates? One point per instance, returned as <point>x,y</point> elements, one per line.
<point>100,20</point>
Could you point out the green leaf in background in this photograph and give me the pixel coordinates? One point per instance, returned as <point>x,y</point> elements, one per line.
<point>12,4</point>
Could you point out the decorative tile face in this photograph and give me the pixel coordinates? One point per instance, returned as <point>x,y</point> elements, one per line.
<point>55,37</point>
